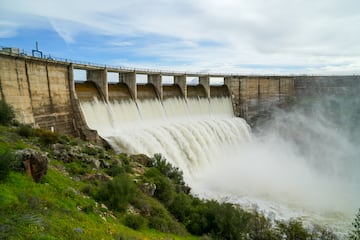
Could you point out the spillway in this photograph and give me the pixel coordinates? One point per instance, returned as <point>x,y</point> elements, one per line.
<point>185,132</point>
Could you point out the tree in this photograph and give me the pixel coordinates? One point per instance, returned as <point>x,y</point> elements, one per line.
<point>7,113</point>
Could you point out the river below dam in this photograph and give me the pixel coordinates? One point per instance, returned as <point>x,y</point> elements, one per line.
<point>303,163</point>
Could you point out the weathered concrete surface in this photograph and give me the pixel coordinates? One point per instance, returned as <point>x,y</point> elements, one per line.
<point>99,77</point>
<point>254,96</point>
<point>39,92</point>
<point>156,81</point>
<point>14,86</point>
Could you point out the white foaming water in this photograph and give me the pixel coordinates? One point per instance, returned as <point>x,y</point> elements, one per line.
<point>186,139</point>
<point>221,159</point>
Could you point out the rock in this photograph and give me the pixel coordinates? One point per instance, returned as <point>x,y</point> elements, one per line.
<point>75,153</point>
<point>98,176</point>
<point>142,159</point>
<point>137,168</point>
<point>182,189</point>
<point>60,152</point>
<point>104,164</point>
<point>35,163</point>
<point>148,188</point>
<point>92,149</point>
<point>79,230</point>
<point>93,161</point>
<point>65,153</point>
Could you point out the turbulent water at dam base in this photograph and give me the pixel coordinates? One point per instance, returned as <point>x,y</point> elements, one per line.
<point>301,163</point>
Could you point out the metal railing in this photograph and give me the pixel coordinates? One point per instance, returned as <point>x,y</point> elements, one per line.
<point>49,57</point>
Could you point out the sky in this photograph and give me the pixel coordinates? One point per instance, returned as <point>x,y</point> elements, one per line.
<point>210,36</point>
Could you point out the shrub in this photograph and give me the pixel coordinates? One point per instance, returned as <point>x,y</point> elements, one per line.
<point>355,232</point>
<point>181,207</point>
<point>261,227</point>
<point>5,165</point>
<point>47,137</point>
<point>167,169</point>
<point>8,162</point>
<point>88,189</point>
<point>25,130</point>
<point>293,230</point>
<point>115,170</point>
<point>7,113</point>
<point>229,223</point>
<point>117,193</point>
<point>165,190</point>
<point>320,232</point>
<point>77,168</point>
<point>134,221</point>
<point>159,223</point>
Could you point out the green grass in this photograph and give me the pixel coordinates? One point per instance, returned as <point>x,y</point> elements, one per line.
<point>56,208</point>
<point>52,210</point>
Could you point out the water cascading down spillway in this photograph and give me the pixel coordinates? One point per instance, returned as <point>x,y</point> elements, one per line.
<point>185,132</point>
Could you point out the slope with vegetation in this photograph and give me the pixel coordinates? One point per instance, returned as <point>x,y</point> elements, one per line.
<point>89,192</point>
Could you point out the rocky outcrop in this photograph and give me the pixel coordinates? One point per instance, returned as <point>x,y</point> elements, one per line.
<point>34,163</point>
<point>142,159</point>
<point>90,154</point>
<point>148,188</point>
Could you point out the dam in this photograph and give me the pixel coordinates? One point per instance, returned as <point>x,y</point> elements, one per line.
<point>45,94</point>
<point>300,161</point>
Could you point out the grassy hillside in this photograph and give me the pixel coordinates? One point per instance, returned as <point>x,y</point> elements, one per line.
<point>64,205</point>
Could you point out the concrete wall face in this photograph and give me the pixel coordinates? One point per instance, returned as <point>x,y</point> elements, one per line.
<point>205,82</point>
<point>234,86</point>
<point>130,80</point>
<point>100,78</point>
<point>156,81</point>
<point>15,89</point>
<point>39,92</point>
<point>181,82</point>
<point>255,97</point>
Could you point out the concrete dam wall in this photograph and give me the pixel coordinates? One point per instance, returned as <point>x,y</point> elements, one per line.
<point>45,94</point>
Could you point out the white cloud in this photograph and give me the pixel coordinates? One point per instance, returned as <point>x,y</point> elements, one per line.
<point>7,28</point>
<point>121,44</point>
<point>209,33</point>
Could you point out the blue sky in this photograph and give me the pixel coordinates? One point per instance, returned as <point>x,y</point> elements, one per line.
<point>230,36</point>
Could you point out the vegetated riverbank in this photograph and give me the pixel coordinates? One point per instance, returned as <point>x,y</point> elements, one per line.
<point>83,191</point>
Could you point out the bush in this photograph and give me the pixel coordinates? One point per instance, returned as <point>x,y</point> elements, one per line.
<point>320,232</point>
<point>117,193</point>
<point>159,223</point>
<point>115,170</point>
<point>293,230</point>
<point>134,221</point>
<point>165,190</point>
<point>47,137</point>
<point>229,222</point>
<point>8,162</point>
<point>25,130</point>
<point>167,169</point>
<point>181,207</point>
<point>5,165</point>
<point>355,232</point>
<point>7,113</point>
